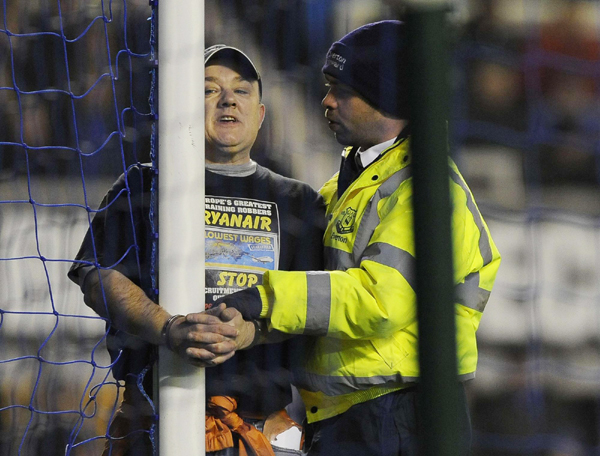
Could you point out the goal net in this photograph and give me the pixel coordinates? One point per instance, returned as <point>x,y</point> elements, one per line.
<point>75,112</point>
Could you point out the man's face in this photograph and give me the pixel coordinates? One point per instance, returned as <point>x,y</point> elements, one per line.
<point>233,115</point>
<point>353,121</point>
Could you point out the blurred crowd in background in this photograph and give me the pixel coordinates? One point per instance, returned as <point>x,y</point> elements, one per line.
<point>94,64</point>
<point>525,131</point>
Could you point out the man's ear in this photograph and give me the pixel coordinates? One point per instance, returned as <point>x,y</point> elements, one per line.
<point>262,113</point>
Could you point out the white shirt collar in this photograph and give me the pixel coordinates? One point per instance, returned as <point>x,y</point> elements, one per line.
<point>368,156</point>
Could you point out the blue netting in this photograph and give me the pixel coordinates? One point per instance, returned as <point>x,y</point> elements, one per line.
<point>75,81</point>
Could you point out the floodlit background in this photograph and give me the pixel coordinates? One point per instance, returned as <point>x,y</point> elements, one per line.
<point>525,132</point>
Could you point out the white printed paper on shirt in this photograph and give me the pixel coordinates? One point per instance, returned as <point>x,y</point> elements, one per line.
<point>241,243</point>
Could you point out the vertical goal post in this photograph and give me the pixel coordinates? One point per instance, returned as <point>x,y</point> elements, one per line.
<point>181,392</point>
<point>430,87</point>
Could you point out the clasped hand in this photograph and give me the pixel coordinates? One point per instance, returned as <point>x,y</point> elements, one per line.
<point>211,337</point>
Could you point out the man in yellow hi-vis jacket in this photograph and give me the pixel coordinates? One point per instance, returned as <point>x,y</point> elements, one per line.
<point>359,381</point>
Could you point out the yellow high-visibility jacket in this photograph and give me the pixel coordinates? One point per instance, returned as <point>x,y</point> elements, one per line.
<point>362,309</point>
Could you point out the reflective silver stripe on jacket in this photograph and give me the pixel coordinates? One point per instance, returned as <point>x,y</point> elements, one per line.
<point>338,260</point>
<point>335,385</point>
<point>379,252</point>
<point>469,294</point>
<point>389,255</point>
<point>332,385</point>
<point>485,247</point>
<point>370,219</point>
<point>318,309</point>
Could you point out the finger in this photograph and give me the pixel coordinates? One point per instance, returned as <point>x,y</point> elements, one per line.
<point>221,359</point>
<point>207,356</point>
<point>210,363</point>
<point>197,363</point>
<point>215,310</point>
<point>207,337</point>
<point>223,329</point>
<point>203,318</point>
<point>229,314</point>
<point>220,348</point>
<point>196,354</point>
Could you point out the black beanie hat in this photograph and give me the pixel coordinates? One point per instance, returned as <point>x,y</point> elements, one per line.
<point>372,60</point>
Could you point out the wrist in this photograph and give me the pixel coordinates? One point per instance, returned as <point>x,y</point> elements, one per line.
<point>165,334</point>
<point>259,332</point>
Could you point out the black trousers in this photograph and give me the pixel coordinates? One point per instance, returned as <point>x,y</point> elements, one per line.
<point>385,426</point>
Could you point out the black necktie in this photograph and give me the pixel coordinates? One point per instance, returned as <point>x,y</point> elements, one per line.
<point>350,169</point>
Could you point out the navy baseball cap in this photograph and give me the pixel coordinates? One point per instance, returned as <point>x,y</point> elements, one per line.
<point>372,60</point>
<point>231,55</point>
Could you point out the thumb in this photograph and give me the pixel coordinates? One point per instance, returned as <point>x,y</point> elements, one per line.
<point>229,314</point>
<point>216,311</point>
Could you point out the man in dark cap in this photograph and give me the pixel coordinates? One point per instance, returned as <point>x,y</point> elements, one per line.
<point>360,382</point>
<point>256,221</point>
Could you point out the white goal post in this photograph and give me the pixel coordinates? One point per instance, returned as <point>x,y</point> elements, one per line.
<point>181,394</point>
